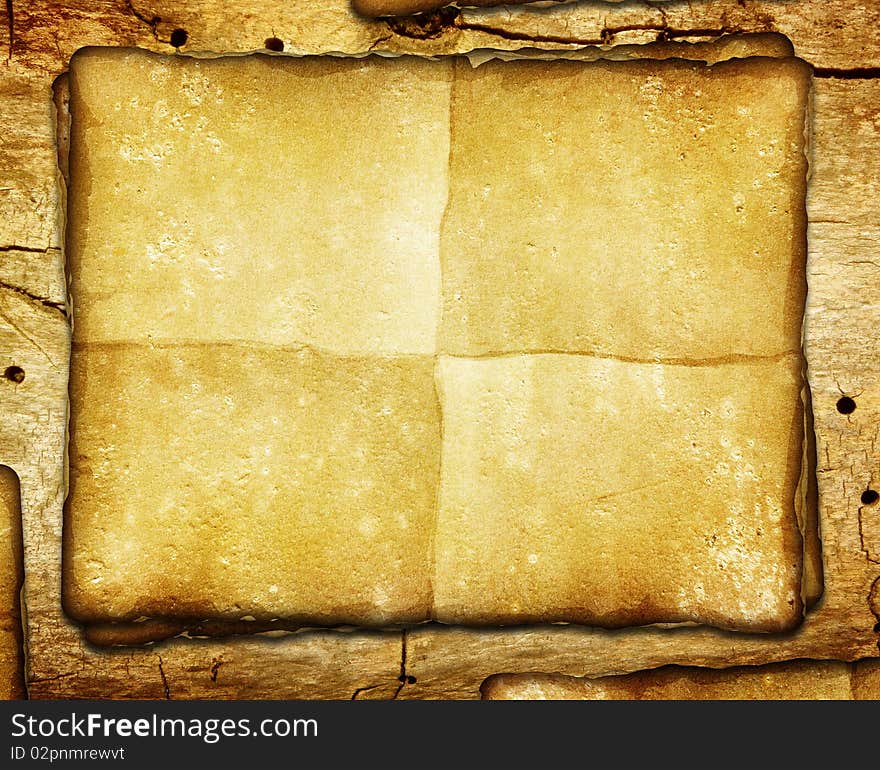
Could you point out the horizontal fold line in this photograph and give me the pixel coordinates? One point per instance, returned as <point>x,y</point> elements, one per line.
<point>295,347</point>
<point>730,358</point>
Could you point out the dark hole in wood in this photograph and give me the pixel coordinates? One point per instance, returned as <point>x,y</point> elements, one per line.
<point>274,44</point>
<point>179,37</point>
<point>870,496</point>
<point>14,373</point>
<point>846,405</point>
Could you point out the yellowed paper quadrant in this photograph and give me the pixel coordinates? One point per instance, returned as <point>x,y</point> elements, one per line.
<point>636,209</point>
<point>233,481</point>
<point>612,493</point>
<point>259,199</point>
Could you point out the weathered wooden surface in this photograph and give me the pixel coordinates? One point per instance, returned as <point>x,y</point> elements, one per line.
<point>11,576</point>
<point>403,7</point>
<point>840,37</point>
<point>865,679</point>
<point>830,33</point>
<point>791,680</point>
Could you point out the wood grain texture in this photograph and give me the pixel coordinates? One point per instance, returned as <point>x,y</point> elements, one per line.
<point>842,346</point>
<point>865,678</point>
<point>11,577</point>
<point>408,7</point>
<point>792,680</point>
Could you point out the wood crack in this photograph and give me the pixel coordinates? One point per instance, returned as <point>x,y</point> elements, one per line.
<point>874,607</point>
<point>10,27</point>
<point>359,690</point>
<point>151,22</point>
<point>426,26</point>
<point>24,249</point>
<point>404,679</point>
<point>164,679</point>
<point>505,34</point>
<point>29,338</point>
<point>430,26</point>
<point>864,546</point>
<point>607,36</point>
<point>55,678</point>
<point>853,73</point>
<point>376,43</point>
<point>45,301</point>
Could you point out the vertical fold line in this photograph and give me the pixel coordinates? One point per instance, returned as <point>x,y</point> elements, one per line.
<point>455,62</point>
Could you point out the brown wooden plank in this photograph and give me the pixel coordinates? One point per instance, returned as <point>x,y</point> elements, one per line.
<point>792,680</point>
<point>831,34</point>
<point>841,338</point>
<point>11,577</point>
